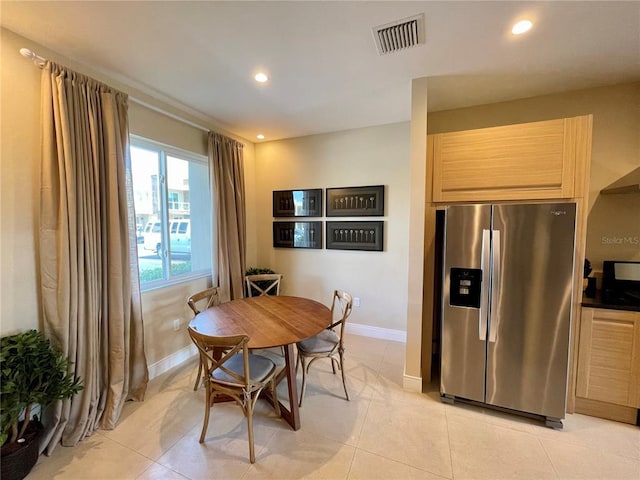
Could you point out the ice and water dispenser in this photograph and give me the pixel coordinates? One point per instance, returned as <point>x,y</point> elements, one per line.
<point>465,287</point>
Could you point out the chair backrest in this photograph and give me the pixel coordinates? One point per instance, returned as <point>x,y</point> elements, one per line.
<point>227,347</point>
<point>341,307</point>
<point>265,284</point>
<point>197,301</point>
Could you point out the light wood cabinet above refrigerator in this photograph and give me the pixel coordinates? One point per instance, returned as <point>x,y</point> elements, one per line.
<point>537,160</point>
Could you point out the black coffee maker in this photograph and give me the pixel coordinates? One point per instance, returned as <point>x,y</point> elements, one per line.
<point>621,283</point>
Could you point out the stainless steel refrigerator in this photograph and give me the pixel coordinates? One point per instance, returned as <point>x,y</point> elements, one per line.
<point>506,306</point>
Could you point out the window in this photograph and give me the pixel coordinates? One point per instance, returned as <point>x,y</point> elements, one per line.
<point>173,213</point>
<point>173,200</point>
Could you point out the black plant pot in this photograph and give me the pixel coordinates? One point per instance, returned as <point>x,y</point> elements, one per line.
<point>18,463</point>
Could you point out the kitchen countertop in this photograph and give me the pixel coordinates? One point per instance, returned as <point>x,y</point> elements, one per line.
<point>597,303</point>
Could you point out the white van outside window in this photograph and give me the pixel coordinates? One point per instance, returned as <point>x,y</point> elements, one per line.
<point>152,236</point>
<point>173,202</point>
<point>180,237</point>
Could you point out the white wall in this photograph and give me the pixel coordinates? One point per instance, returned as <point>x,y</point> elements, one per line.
<point>19,193</point>
<point>367,156</point>
<point>418,243</point>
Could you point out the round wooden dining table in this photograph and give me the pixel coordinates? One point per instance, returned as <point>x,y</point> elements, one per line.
<point>269,321</point>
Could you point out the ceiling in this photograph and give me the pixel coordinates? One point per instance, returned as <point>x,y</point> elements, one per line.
<point>325,72</point>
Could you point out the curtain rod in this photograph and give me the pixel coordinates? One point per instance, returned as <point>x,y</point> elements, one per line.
<point>31,55</point>
<point>40,62</point>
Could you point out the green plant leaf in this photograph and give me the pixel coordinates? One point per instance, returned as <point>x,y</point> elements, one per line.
<point>31,372</point>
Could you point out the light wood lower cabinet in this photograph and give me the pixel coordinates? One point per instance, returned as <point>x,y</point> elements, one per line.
<point>538,160</point>
<point>608,363</point>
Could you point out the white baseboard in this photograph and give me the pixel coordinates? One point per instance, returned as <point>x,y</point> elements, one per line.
<point>377,332</point>
<point>173,360</point>
<point>411,384</point>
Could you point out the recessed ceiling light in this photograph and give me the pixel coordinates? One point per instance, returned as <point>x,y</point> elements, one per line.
<point>521,27</point>
<point>260,137</point>
<point>261,77</point>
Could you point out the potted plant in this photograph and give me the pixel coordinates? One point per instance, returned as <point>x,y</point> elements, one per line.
<point>32,373</point>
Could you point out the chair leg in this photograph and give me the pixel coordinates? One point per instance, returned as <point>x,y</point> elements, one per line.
<point>304,378</point>
<point>344,383</point>
<point>249,413</point>
<point>274,396</point>
<point>197,384</point>
<point>207,409</point>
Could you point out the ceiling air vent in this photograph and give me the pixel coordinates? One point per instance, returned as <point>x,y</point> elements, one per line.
<point>400,34</point>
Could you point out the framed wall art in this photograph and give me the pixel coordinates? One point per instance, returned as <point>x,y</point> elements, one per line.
<point>355,201</point>
<point>355,236</point>
<point>297,203</point>
<point>297,234</point>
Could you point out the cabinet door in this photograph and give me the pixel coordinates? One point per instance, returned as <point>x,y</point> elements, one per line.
<point>609,356</point>
<point>525,161</point>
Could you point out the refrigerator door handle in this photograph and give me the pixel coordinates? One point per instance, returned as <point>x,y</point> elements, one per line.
<point>494,316</point>
<point>484,296</point>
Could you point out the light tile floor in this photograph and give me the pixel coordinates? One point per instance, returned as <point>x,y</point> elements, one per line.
<point>384,432</point>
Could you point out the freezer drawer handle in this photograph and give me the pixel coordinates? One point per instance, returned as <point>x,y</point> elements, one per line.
<point>484,295</point>
<point>494,316</point>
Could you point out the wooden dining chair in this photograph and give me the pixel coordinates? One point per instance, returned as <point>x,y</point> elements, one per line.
<point>198,302</point>
<point>202,300</point>
<point>329,343</point>
<point>235,374</point>
<point>264,284</point>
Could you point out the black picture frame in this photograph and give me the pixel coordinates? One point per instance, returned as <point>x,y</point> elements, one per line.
<point>355,201</point>
<point>355,236</point>
<point>297,203</point>
<point>297,234</point>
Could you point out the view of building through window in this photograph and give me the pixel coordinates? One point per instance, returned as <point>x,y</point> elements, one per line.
<point>173,213</point>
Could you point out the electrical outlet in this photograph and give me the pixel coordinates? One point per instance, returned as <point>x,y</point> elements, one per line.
<point>356,301</point>
<point>176,324</point>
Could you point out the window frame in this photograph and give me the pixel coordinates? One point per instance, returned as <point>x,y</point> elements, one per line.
<point>164,150</point>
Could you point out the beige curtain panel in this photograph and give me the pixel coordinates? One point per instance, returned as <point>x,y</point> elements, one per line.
<point>88,263</point>
<point>227,179</point>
